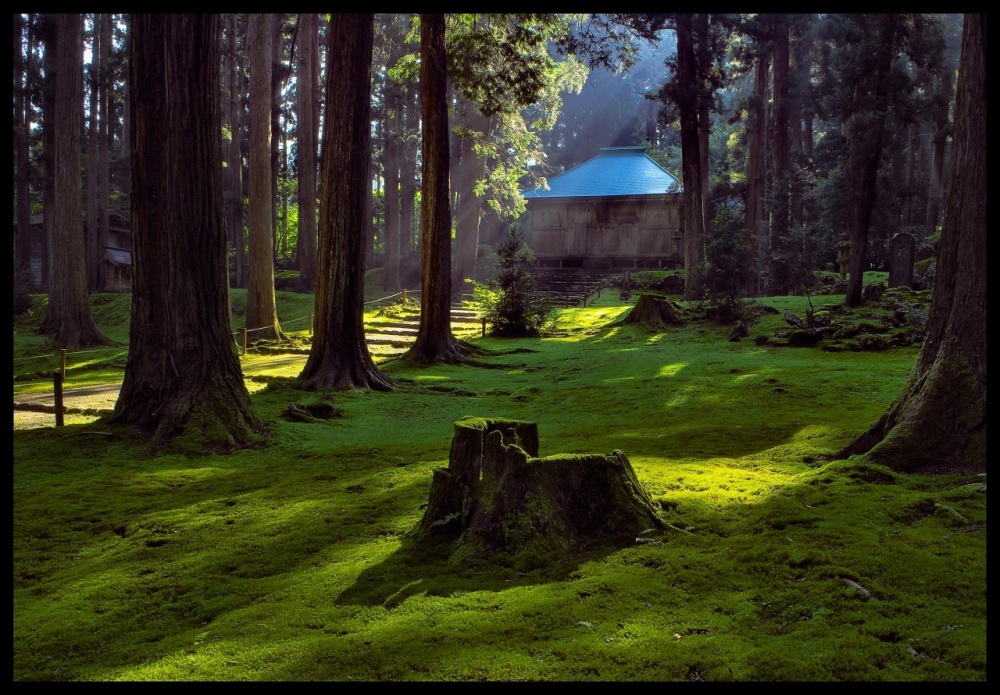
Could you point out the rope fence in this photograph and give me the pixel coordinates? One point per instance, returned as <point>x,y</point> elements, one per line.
<point>239,336</point>
<point>58,374</point>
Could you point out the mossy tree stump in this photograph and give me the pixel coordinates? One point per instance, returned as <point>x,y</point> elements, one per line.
<point>497,493</point>
<point>653,313</point>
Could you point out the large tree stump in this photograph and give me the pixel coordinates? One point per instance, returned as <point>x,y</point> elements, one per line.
<point>653,313</point>
<point>496,493</point>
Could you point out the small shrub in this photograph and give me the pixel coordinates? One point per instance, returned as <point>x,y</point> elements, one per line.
<point>726,271</point>
<point>508,301</point>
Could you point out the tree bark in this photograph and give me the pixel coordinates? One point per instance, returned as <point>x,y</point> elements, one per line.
<point>497,495</point>
<point>262,316</point>
<point>22,167</point>
<point>935,194</point>
<point>307,146</point>
<point>409,234</point>
<point>756,186</point>
<point>233,181</point>
<point>864,148</point>
<point>694,243</point>
<point>467,220</point>
<point>339,358</point>
<point>93,224</point>
<point>435,342</point>
<point>938,422</point>
<point>778,281</point>
<point>105,142</point>
<point>390,167</point>
<point>277,77</point>
<point>182,377</point>
<point>69,321</point>
<point>653,314</point>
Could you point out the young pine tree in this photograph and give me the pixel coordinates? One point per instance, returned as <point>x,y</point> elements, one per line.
<point>508,300</point>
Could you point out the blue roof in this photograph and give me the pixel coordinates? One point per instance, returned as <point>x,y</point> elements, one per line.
<point>119,257</point>
<point>616,171</point>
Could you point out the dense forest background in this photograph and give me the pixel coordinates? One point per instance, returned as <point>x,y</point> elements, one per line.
<point>793,135</point>
<point>771,100</point>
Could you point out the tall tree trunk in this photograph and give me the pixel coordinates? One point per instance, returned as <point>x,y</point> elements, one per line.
<point>703,63</point>
<point>935,194</point>
<point>390,168</point>
<point>910,179</point>
<point>778,280</point>
<point>262,316</point>
<point>182,377</point>
<point>307,146</point>
<point>22,167</point>
<point>106,142</point>
<point>46,29</point>
<point>69,321</point>
<point>92,222</point>
<point>864,151</point>
<point>233,181</point>
<point>277,76</point>
<point>800,66</point>
<point>409,234</point>
<point>339,358</point>
<point>126,180</point>
<point>938,422</point>
<point>694,242</point>
<point>469,215</point>
<point>756,185</point>
<point>434,342</point>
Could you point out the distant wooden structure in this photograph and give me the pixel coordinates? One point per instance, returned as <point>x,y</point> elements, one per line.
<point>115,260</point>
<point>619,209</point>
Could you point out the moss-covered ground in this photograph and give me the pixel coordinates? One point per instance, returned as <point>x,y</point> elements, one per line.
<point>294,561</point>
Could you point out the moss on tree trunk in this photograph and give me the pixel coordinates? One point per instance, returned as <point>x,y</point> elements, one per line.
<point>497,495</point>
<point>653,313</point>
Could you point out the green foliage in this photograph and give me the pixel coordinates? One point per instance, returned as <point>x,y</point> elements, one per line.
<point>727,247</point>
<point>23,287</point>
<point>507,300</point>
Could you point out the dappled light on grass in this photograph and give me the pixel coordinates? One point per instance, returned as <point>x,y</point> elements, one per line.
<point>294,561</point>
<point>671,369</point>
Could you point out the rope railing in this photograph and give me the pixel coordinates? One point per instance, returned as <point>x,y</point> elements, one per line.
<point>404,293</point>
<point>238,336</point>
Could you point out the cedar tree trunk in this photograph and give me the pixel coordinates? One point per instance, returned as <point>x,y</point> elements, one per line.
<point>864,152</point>
<point>757,127</point>
<point>778,282</point>
<point>435,342</point>
<point>339,358</point>
<point>306,251</point>
<point>262,314</point>
<point>687,107</point>
<point>22,168</point>
<point>68,321</point>
<point>183,374</point>
<point>938,422</point>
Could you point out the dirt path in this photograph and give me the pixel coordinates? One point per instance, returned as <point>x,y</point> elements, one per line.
<point>36,410</point>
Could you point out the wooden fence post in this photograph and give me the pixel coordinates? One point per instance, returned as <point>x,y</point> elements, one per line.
<point>244,340</point>
<point>57,391</point>
<point>62,364</point>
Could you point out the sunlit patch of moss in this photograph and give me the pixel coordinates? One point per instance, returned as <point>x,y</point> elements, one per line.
<point>297,559</point>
